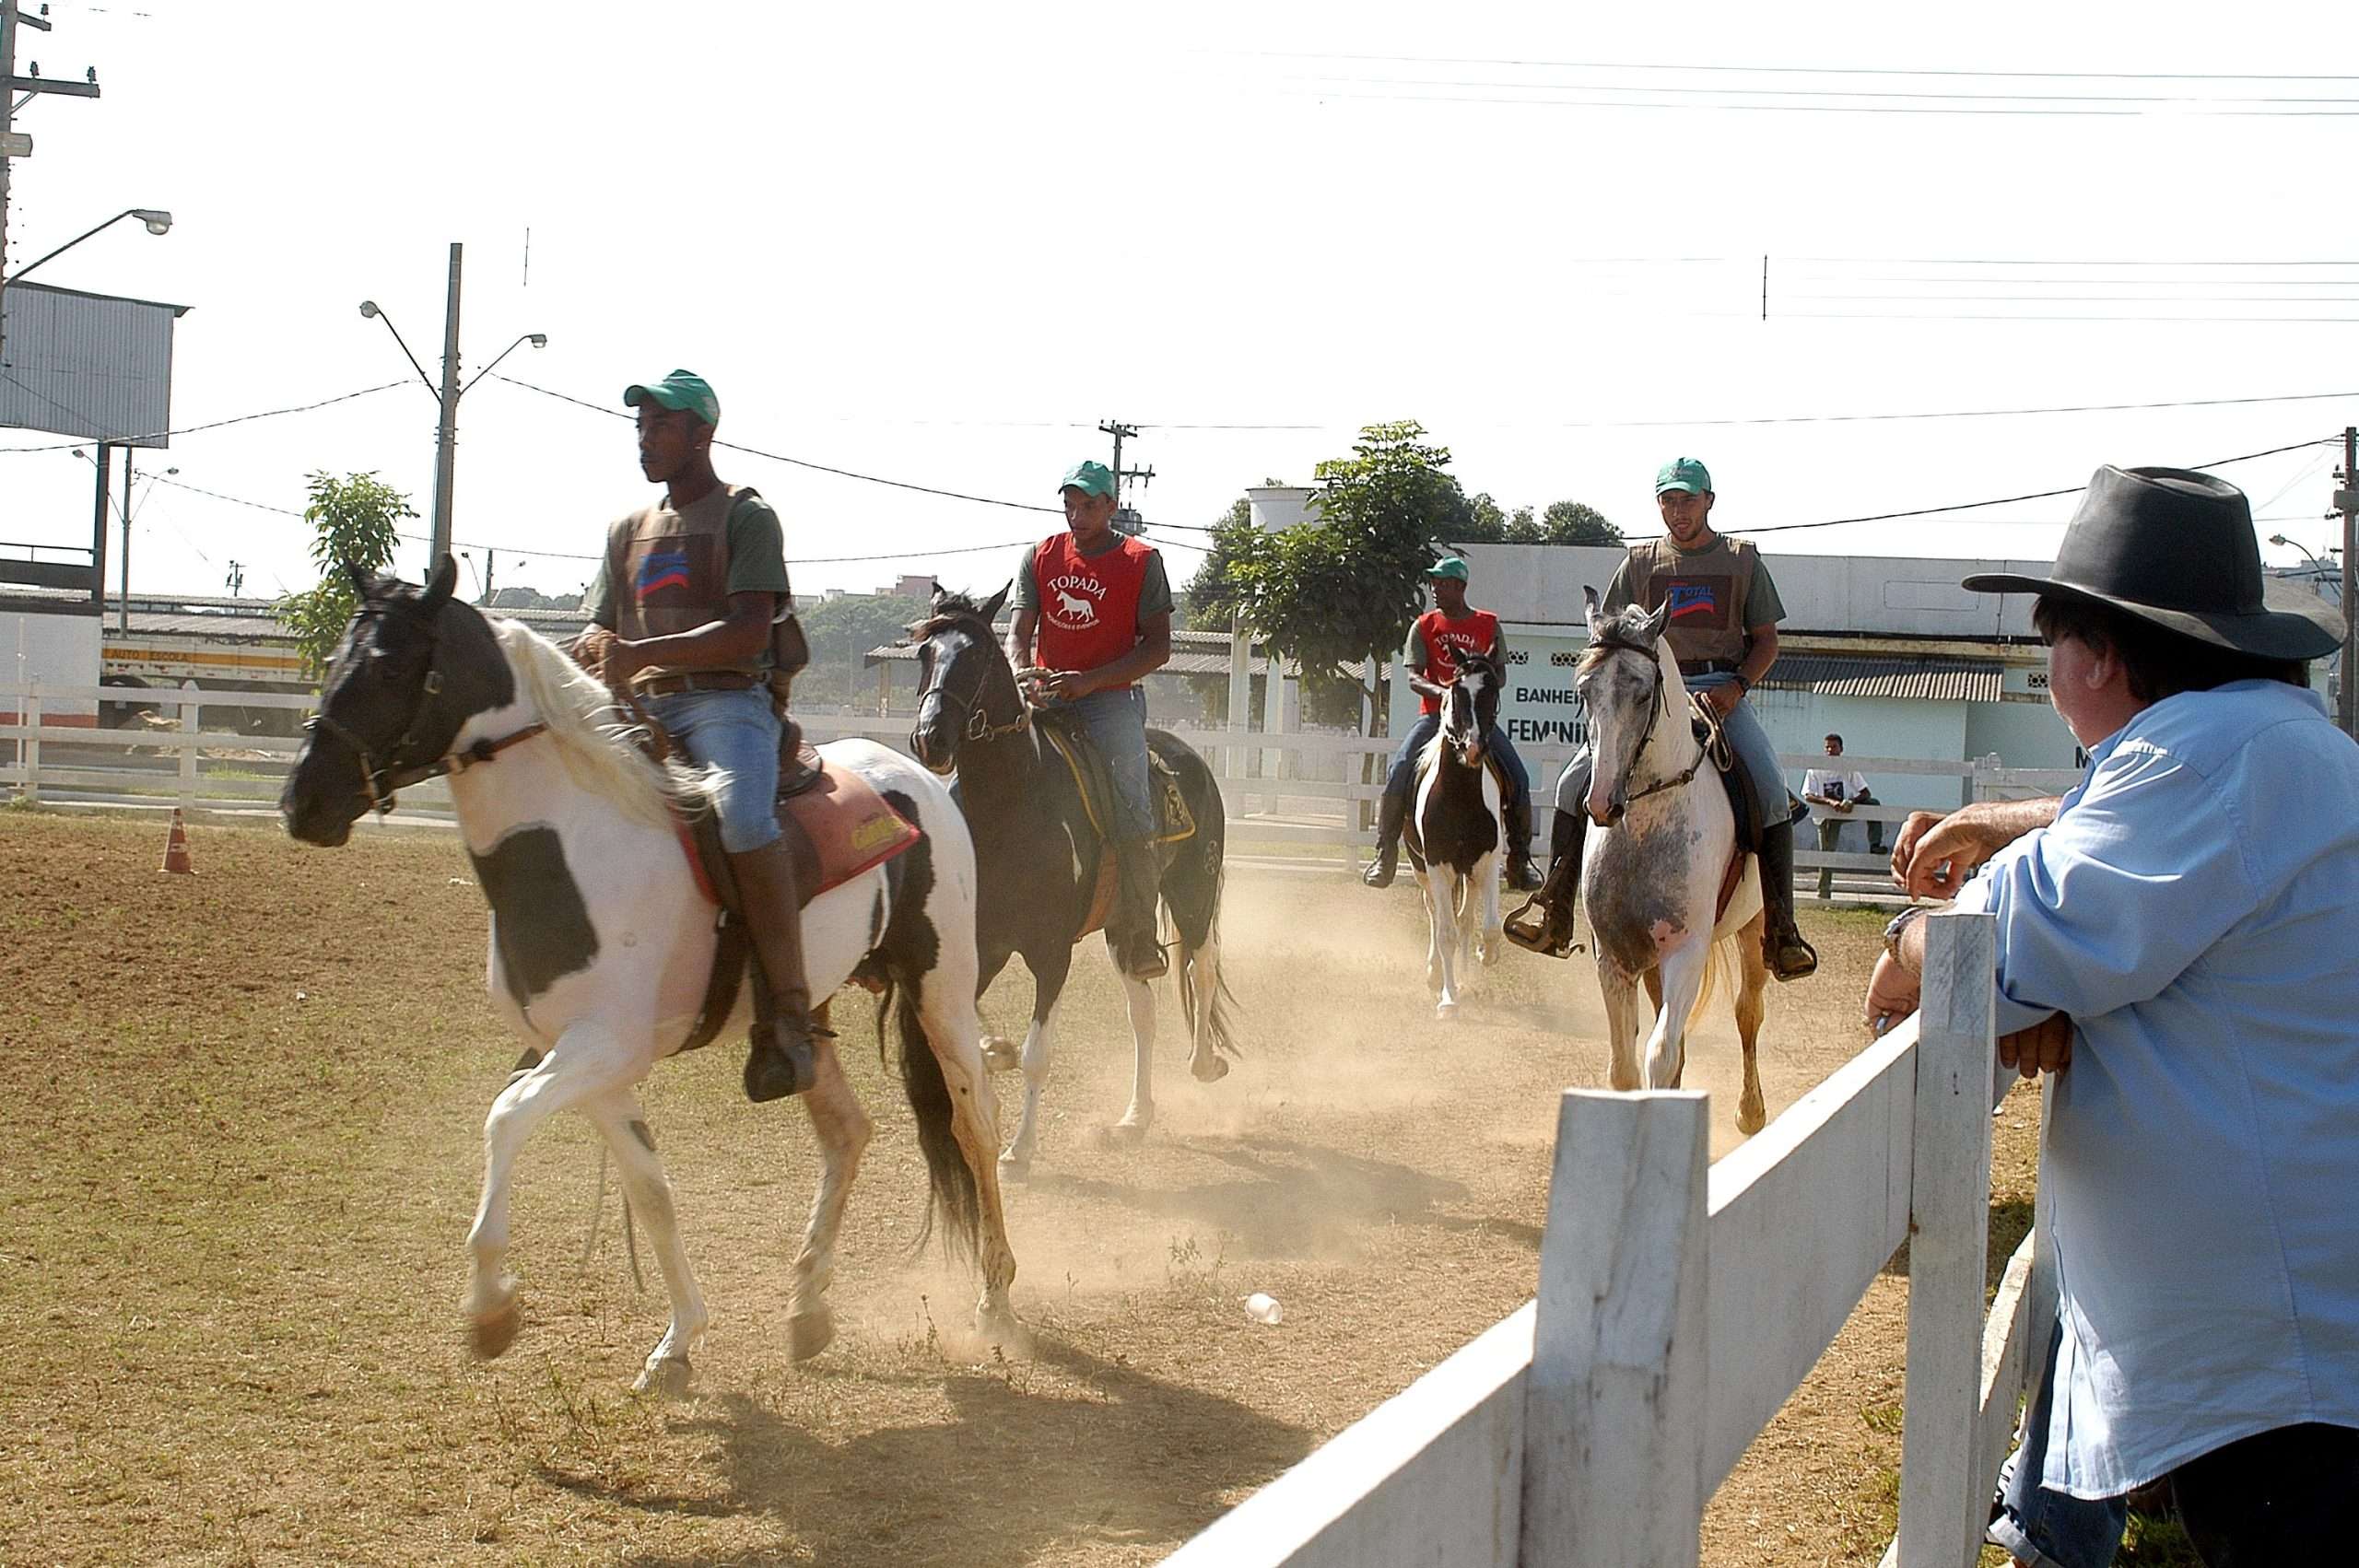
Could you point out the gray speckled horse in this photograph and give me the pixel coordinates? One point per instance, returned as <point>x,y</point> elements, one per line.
<point>1653,873</point>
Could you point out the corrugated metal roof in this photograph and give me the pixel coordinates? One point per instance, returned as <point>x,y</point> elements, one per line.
<point>1934,680</point>
<point>94,367</point>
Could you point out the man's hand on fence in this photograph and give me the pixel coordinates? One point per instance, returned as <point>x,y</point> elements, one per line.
<point>2046,1047</point>
<point>1933,854</point>
<point>1892,995</point>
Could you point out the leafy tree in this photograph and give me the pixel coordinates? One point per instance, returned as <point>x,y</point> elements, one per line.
<point>1577,522</point>
<point>353,521</point>
<point>1342,587</point>
<point>1522,530</point>
<point>841,632</point>
<point>1489,524</point>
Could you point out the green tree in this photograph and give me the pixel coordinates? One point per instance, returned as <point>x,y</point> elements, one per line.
<point>1522,530</point>
<point>353,521</point>
<point>1577,522</point>
<point>1342,587</point>
<point>841,632</point>
<point>1488,524</point>
<point>1212,597</point>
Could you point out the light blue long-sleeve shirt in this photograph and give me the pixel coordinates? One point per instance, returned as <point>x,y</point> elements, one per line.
<point>2195,908</point>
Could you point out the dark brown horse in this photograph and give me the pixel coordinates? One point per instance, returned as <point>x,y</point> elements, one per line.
<point>1037,860</point>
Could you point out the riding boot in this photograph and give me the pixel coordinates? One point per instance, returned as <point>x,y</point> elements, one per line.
<point>1522,875</point>
<point>780,1062</point>
<point>1136,944</point>
<point>1545,923</point>
<point>1782,947</point>
<point>1390,813</point>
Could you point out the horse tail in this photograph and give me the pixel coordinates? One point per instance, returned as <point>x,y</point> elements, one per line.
<point>955,1201</point>
<point>1721,966</point>
<point>1192,891</point>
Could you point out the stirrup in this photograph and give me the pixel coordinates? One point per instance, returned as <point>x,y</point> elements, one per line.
<point>1773,946</point>
<point>1528,931</point>
<point>1375,873</point>
<point>776,1069</point>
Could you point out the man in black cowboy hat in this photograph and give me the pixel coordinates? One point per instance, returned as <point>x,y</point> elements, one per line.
<point>2178,930</point>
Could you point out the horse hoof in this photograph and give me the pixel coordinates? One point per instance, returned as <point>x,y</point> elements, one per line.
<point>1750,1118</point>
<point>1209,1069</point>
<point>496,1330</point>
<point>999,1327</point>
<point>1000,1053</point>
<point>667,1377</point>
<point>1123,1134</point>
<point>808,1333</point>
<point>1446,1013</point>
<point>1013,1169</point>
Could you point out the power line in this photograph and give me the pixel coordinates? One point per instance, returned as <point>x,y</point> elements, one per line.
<point>2181,111</point>
<point>797,461</point>
<point>1810,92</point>
<point>1799,70</point>
<point>210,425</point>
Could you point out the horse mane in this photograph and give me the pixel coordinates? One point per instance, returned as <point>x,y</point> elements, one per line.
<point>599,751</point>
<point>1625,629</point>
<point>951,610</point>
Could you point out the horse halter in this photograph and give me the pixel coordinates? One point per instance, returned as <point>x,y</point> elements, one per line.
<point>979,727</point>
<point>1657,705</point>
<point>382,781</point>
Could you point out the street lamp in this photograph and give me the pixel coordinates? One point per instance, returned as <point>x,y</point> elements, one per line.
<point>157,221</point>
<point>446,396</point>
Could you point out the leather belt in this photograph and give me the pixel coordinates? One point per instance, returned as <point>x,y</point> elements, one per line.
<point>716,681</point>
<point>1711,667</point>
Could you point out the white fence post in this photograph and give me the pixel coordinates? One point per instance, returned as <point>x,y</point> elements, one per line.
<point>192,711</point>
<point>1941,1517</point>
<point>1614,1413</point>
<point>29,749</point>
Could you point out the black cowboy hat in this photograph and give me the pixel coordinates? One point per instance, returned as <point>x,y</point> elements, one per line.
<point>2176,548</point>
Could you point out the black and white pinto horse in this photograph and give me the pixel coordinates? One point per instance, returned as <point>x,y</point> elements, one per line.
<point>1452,830</point>
<point>602,943</point>
<point>1651,876</point>
<point>1037,860</point>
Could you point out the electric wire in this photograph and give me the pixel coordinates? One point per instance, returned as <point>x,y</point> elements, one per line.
<point>209,425</point>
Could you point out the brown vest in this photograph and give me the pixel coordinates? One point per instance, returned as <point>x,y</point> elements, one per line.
<point>670,572</point>
<point>1709,593</point>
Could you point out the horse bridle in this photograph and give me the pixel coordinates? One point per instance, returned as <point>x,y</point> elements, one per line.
<point>979,727</point>
<point>382,781</point>
<point>1657,705</point>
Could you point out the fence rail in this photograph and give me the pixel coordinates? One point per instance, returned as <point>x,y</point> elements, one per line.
<point>1680,1308</point>
<point>1276,785</point>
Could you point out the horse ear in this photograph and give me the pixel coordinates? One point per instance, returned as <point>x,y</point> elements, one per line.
<point>1655,623</point>
<point>990,608</point>
<point>439,585</point>
<point>366,584</point>
<point>1590,607</point>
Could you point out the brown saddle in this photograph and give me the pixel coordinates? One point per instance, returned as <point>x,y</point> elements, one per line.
<point>1750,813</point>
<point>1094,782</point>
<point>835,825</point>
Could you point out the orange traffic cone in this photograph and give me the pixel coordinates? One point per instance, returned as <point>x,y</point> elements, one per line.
<point>176,847</point>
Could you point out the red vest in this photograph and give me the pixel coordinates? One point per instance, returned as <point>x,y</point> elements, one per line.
<point>1440,637</point>
<point>1089,604</point>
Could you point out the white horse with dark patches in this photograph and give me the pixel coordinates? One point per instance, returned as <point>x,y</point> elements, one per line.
<point>1652,879</point>
<point>1452,830</point>
<point>602,943</point>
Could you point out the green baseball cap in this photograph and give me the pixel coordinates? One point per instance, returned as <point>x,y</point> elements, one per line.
<point>1089,479</point>
<point>1449,565</point>
<point>1683,473</point>
<point>681,389</point>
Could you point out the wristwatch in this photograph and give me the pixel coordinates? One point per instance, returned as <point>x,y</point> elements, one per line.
<point>1744,686</point>
<point>1900,926</point>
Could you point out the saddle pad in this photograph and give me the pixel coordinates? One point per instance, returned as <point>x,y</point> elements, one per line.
<point>838,826</point>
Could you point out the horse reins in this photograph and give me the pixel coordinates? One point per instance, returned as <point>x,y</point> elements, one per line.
<point>978,725</point>
<point>384,781</point>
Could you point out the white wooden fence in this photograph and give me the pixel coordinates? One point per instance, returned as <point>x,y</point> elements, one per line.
<point>1301,794</point>
<point>1678,1309</point>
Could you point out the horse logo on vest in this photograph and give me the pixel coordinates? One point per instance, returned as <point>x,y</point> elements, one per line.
<point>1069,608</point>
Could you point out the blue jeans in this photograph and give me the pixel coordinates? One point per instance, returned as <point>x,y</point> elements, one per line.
<point>1117,722</point>
<point>737,733</point>
<point>2051,1529</point>
<point>1746,737</point>
<point>1421,735</point>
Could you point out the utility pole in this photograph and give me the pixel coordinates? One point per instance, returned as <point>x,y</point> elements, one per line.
<point>123,601</point>
<point>446,456</point>
<point>1125,519</point>
<point>236,581</point>
<point>13,146</point>
<point>2346,501</point>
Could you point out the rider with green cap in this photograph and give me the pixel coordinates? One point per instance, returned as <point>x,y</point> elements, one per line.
<point>1723,631</point>
<point>1435,641</point>
<point>680,619</point>
<point>1099,603</point>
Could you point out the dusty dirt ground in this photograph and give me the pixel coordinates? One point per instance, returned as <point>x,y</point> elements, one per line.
<point>242,1151</point>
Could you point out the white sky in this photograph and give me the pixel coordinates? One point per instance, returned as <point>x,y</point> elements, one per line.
<point>941,243</point>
